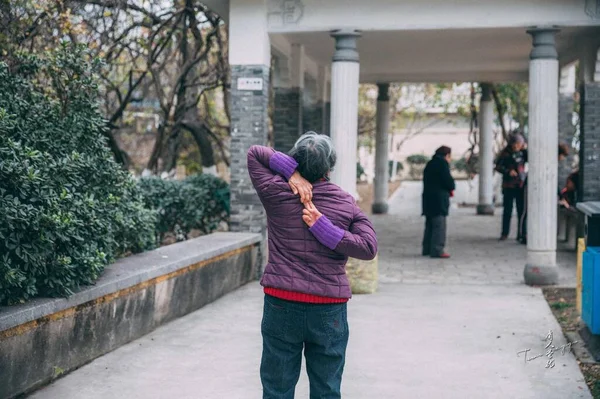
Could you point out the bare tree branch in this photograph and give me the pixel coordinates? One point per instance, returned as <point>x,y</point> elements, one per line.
<point>500,110</point>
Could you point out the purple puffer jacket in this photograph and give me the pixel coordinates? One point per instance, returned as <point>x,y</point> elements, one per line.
<point>310,261</point>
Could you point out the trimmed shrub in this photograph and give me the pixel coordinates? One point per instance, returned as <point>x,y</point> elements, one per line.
<point>460,165</point>
<point>67,209</point>
<point>199,202</point>
<point>417,159</point>
<point>466,166</point>
<point>417,164</point>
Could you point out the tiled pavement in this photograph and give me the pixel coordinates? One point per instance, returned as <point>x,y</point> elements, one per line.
<point>477,255</point>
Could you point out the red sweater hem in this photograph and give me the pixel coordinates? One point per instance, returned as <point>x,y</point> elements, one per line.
<point>302,297</point>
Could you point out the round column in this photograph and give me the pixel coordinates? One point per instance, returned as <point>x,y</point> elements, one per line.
<point>381,150</point>
<point>344,108</point>
<point>485,204</point>
<point>541,266</point>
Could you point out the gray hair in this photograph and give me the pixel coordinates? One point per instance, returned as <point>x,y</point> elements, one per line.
<point>315,156</point>
<point>516,138</point>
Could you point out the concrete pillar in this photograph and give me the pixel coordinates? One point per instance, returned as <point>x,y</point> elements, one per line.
<point>541,266</point>
<point>485,205</point>
<point>250,58</point>
<point>394,176</point>
<point>381,149</point>
<point>344,108</point>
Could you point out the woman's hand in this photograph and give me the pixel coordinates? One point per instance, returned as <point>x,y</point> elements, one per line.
<point>300,186</point>
<point>310,214</point>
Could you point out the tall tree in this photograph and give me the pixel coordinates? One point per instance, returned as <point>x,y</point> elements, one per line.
<point>173,53</point>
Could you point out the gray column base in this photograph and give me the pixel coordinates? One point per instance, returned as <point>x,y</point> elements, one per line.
<point>540,275</point>
<point>485,209</point>
<point>380,208</point>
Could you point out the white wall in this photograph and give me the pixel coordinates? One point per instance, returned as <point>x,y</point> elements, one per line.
<point>248,38</point>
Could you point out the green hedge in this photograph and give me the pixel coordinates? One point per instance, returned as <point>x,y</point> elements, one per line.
<point>417,159</point>
<point>460,165</point>
<point>66,208</point>
<point>200,202</point>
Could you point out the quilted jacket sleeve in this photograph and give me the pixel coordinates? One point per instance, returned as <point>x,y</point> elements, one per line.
<point>359,241</point>
<point>264,164</point>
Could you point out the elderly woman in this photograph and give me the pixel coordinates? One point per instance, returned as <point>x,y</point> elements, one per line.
<point>313,226</point>
<point>438,186</point>
<point>511,164</point>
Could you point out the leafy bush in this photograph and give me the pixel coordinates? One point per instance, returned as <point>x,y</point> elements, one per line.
<point>417,164</point>
<point>460,165</point>
<point>66,208</point>
<point>467,165</point>
<point>417,159</point>
<point>199,202</point>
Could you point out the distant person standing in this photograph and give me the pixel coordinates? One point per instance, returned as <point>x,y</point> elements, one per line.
<point>511,164</point>
<point>563,153</point>
<point>568,195</point>
<point>438,186</point>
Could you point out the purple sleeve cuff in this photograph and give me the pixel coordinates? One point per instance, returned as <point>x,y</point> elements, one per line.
<point>327,233</point>
<point>283,164</point>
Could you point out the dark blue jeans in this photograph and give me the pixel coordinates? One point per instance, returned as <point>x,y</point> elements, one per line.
<point>287,328</point>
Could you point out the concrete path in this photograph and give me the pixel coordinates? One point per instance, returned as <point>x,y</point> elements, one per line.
<point>477,255</point>
<point>435,329</point>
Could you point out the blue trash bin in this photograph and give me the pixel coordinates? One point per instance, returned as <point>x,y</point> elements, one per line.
<point>590,289</point>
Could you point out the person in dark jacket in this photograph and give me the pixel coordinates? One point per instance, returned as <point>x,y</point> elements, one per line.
<point>563,153</point>
<point>313,227</point>
<point>438,186</point>
<point>568,194</point>
<point>511,164</point>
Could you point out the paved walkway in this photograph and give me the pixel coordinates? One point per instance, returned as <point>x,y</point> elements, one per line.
<point>435,329</point>
<point>477,255</point>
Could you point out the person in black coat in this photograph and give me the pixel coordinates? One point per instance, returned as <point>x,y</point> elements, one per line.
<point>438,186</point>
<point>563,153</point>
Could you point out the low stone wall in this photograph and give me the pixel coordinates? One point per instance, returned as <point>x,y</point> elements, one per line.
<point>45,338</point>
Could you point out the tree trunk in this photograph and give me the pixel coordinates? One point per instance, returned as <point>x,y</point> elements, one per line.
<point>200,134</point>
<point>172,147</point>
<point>500,111</point>
<point>120,155</point>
